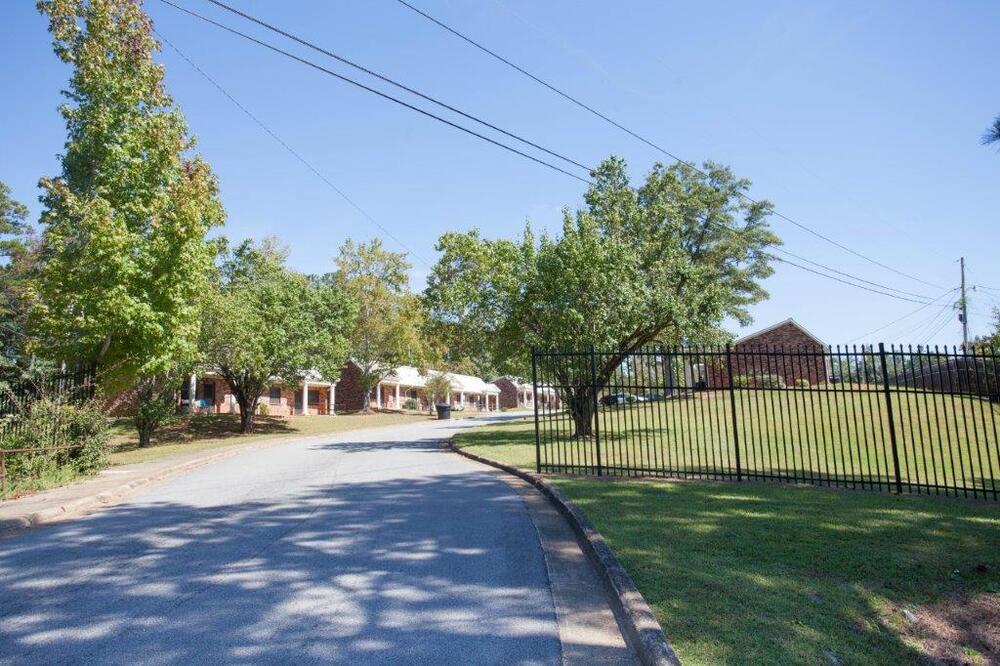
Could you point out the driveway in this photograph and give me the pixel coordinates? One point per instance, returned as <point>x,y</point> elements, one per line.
<point>373,547</point>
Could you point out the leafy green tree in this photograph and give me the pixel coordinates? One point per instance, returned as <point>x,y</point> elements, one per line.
<point>13,228</point>
<point>125,255</point>
<point>263,322</point>
<point>390,317</point>
<point>992,134</point>
<point>666,262</point>
<point>438,387</point>
<point>15,260</point>
<point>990,343</point>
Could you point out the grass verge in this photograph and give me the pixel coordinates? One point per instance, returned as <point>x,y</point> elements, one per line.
<point>201,432</point>
<point>757,573</point>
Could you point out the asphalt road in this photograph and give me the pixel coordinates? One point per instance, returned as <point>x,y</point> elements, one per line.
<point>373,547</point>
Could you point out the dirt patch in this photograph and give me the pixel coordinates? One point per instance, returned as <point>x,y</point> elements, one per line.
<point>958,629</point>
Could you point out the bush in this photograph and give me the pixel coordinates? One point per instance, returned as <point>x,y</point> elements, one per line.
<point>264,410</point>
<point>769,381</point>
<point>741,381</point>
<point>802,382</point>
<point>48,424</point>
<point>411,403</point>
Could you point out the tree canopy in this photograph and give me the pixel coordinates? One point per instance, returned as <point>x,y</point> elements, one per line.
<point>124,256</point>
<point>992,134</point>
<point>15,239</point>
<point>390,322</point>
<point>263,323</point>
<point>665,262</point>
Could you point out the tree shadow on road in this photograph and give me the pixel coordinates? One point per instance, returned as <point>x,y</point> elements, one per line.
<point>425,567</point>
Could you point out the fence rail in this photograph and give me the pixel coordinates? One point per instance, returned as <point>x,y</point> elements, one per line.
<point>892,419</point>
<point>18,396</point>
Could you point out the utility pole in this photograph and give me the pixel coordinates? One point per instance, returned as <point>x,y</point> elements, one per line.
<point>963,304</point>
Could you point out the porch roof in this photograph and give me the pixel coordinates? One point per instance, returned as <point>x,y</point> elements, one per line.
<point>407,375</point>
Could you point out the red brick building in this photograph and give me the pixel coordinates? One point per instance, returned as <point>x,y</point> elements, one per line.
<point>312,396</point>
<point>516,394</point>
<point>407,383</point>
<point>785,352</point>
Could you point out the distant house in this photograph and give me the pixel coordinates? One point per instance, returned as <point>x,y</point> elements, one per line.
<point>516,393</point>
<point>409,383</point>
<point>786,350</point>
<point>311,396</point>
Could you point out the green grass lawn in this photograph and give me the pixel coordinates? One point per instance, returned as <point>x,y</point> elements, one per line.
<point>201,432</point>
<point>769,573</point>
<point>942,440</point>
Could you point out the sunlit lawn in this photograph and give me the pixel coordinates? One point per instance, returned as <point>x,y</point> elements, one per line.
<point>769,573</point>
<point>942,440</point>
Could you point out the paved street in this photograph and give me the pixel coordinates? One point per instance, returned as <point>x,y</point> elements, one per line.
<point>372,547</point>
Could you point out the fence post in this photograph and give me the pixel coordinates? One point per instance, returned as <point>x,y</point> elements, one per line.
<point>892,418</point>
<point>732,410</point>
<point>597,420</point>
<point>534,403</point>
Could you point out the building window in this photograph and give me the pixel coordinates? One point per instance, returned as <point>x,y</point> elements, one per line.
<point>313,398</point>
<point>208,394</point>
<point>274,395</point>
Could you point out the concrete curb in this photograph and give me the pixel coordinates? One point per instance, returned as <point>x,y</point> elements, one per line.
<point>72,508</point>
<point>639,625</point>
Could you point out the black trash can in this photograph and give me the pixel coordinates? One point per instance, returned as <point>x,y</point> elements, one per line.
<point>444,412</point>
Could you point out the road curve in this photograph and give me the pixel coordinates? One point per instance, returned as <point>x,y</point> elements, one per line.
<point>371,547</point>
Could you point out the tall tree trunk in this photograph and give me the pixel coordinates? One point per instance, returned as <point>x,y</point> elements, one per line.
<point>155,402</point>
<point>247,389</point>
<point>366,407</point>
<point>145,434</point>
<point>246,398</point>
<point>581,407</point>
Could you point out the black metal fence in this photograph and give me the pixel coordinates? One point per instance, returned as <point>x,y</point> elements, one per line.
<point>892,419</point>
<point>18,395</point>
<point>73,386</point>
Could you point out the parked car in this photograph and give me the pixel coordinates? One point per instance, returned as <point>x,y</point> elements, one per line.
<point>613,399</point>
<point>653,396</point>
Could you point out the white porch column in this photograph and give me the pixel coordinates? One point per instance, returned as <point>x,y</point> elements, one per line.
<point>192,389</point>
<point>461,398</point>
<point>332,395</point>
<point>378,395</point>
<point>397,396</point>
<point>305,397</point>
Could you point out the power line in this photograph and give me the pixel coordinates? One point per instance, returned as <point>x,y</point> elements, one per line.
<point>397,84</point>
<point>382,77</point>
<point>381,94</point>
<point>291,150</point>
<point>879,287</point>
<point>907,316</point>
<point>649,142</point>
<point>837,279</point>
<point>850,275</point>
<point>940,327</point>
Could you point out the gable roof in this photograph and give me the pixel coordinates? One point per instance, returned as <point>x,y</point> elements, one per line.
<point>408,375</point>
<point>791,321</point>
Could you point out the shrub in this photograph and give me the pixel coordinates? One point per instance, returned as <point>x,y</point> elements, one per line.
<point>49,423</point>
<point>802,382</point>
<point>769,381</point>
<point>741,381</point>
<point>264,409</point>
<point>411,403</point>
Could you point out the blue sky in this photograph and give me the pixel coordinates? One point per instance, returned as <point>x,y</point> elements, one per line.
<point>858,119</point>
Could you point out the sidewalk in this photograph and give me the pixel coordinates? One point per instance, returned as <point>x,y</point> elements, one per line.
<point>114,484</point>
